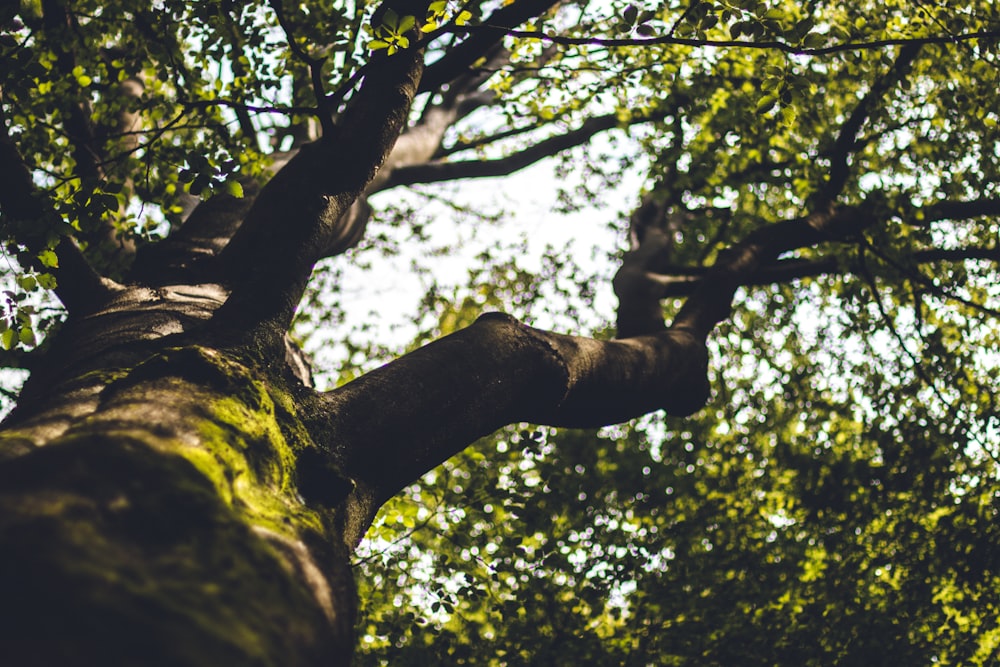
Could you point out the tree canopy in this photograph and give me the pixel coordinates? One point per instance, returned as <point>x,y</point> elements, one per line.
<point>817,223</point>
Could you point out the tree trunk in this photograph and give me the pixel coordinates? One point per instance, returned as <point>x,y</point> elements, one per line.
<point>151,510</point>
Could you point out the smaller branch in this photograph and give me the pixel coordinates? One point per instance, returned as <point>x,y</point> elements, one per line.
<point>315,66</point>
<point>739,44</point>
<point>931,284</point>
<point>253,108</point>
<point>711,302</point>
<point>681,281</point>
<point>79,287</point>
<point>483,38</point>
<point>847,140</point>
<point>485,141</point>
<point>433,172</point>
<point>915,362</point>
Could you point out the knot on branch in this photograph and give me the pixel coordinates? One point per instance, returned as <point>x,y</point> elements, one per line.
<point>690,375</point>
<point>637,286</point>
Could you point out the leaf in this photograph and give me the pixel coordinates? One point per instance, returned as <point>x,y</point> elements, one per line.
<point>390,20</point>
<point>106,202</point>
<point>234,188</point>
<point>406,23</point>
<point>49,259</point>
<point>765,103</point>
<point>814,40</point>
<point>7,339</point>
<point>645,30</point>
<point>630,14</point>
<point>770,83</point>
<point>199,184</point>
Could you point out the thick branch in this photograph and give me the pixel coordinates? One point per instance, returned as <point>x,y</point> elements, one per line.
<point>639,309</point>
<point>766,45</point>
<point>499,371</point>
<point>958,210</point>
<point>289,226</point>
<point>186,255</point>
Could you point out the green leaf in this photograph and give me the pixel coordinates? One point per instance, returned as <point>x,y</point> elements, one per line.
<point>765,104</point>
<point>234,188</point>
<point>814,40</point>
<point>199,184</point>
<point>49,259</point>
<point>7,339</point>
<point>406,23</point>
<point>390,20</point>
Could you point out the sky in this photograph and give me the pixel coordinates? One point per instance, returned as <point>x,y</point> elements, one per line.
<point>385,296</point>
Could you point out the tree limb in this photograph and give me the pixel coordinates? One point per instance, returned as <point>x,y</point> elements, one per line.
<point>767,45</point>
<point>79,129</point>
<point>270,257</point>
<point>434,172</point>
<point>847,139</point>
<point>956,210</point>
<point>187,254</point>
<point>711,301</point>
<point>79,287</point>
<point>498,371</point>
<point>497,26</point>
<point>683,281</point>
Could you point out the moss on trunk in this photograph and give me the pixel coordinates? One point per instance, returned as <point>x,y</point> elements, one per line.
<point>161,524</point>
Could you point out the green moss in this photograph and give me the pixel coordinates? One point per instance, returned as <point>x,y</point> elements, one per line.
<point>237,425</point>
<point>130,553</point>
<point>245,453</point>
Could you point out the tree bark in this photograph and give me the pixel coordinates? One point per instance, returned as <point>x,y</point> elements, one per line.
<point>152,506</point>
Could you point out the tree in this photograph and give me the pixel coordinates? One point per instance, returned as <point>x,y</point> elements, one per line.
<point>174,491</point>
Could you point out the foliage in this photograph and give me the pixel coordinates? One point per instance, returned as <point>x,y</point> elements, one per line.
<point>824,510</point>
<point>837,502</point>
